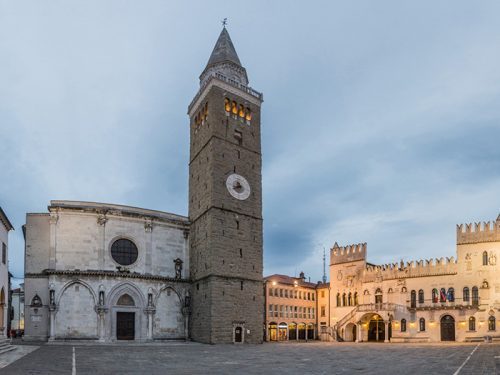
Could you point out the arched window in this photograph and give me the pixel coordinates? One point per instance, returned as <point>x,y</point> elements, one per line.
<point>421,296</point>
<point>366,292</point>
<point>378,296</point>
<point>472,323</point>
<point>241,112</point>
<point>248,114</point>
<point>435,295</point>
<point>485,258</point>
<point>413,299</point>
<point>338,300</point>
<point>349,299</point>
<point>451,294</point>
<point>466,296</point>
<point>422,324</point>
<point>404,290</point>
<point>356,302</point>
<point>227,105</point>
<point>475,296</point>
<point>234,108</point>
<point>492,326</point>
<point>403,325</point>
<point>442,295</point>
<point>124,252</point>
<point>344,300</point>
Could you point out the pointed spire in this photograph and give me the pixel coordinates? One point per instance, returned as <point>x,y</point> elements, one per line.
<point>224,50</point>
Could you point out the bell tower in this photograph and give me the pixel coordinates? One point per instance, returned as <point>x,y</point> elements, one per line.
<point>225,202</point>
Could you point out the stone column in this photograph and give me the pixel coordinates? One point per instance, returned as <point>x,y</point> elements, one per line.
<point>101,312</point>
<point>386,336</point>
<point>52,328</point>
<point>358,332</point>
<point>150,313</point>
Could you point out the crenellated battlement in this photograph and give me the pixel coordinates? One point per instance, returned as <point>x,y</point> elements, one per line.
<point>349,253</point>
<point>478,232</point>
<point>419,268</point>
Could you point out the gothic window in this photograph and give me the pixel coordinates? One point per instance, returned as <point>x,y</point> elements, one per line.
<point>234,108</point>
<point>248,114</point>
<point>338,300</point>
<point>366,292</point>
<point>451,294</point>
<point>378,296</point>
<point>350,299</point>
<point>472,323</point>
<point>442,295</point>
<point>466,296</point>
<point>125,300</point>
<point>124,252</point>
<point>421,296</point>
<point>491,323</point>
<point>241,112</point>
<point>356,302</point>
<point>422,324</point>
<point>344,300</point>
<point>435,295</point>
<point>36,301</point>
<point>403,325</point>
<point>475,296</point>
<point>413,299</point>
<point>485,258</point>
<point>227,105</point>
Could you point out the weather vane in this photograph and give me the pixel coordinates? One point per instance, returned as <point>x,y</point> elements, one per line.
<point>224,22</point>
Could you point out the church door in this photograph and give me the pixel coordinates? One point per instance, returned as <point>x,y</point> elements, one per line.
<point>125,325</point>
<point>238,334</point>
<point>447,328</point>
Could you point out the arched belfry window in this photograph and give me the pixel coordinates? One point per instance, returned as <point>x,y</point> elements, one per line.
<point>124,252</point>
<point>125,300</point>
<point>485,258</point>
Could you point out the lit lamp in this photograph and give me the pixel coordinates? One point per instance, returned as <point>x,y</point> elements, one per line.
<point>274,283</point>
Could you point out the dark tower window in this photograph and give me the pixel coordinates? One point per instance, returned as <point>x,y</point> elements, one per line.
<point>124,252</point>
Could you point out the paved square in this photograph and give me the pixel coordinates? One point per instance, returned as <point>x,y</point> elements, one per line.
<point>301,358</point>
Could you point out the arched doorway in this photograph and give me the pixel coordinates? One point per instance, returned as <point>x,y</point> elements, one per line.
<point>292,331</point>
<point>447,328</point>
<point>125,320</point>
<point>282,332</point>
<point>376,329</point>
<point>310,331</point>
<point>350,332</point>
<point>302,331</point>
<point>273,331</point>
<point>238,334</point>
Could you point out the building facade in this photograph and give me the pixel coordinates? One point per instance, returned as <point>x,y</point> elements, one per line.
<point>433,300</point>
<point>452,299</point>
<point>5,228</point>
<point>106,272</point>
<point>290,308</point>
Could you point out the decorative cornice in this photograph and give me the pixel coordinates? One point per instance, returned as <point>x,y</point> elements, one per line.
<point>140,276</point>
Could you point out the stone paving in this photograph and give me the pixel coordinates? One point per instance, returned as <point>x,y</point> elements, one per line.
<point>289,358</point>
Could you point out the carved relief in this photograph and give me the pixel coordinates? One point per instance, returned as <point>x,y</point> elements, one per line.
<point>101,219</point>
<point>148,226</point>
<point>492,259</point>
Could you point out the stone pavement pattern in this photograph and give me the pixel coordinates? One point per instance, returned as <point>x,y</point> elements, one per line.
<point>309,358</point>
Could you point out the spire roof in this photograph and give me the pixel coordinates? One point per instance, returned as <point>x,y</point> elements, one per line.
<point>224,50</point>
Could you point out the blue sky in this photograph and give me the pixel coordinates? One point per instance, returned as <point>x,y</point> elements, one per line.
<point>381,120</point>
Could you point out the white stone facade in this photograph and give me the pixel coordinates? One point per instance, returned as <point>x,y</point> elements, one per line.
<point>76,289</point>
<point>453,299</point>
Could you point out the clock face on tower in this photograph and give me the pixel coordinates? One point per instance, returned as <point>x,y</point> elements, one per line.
<point>238,186</point>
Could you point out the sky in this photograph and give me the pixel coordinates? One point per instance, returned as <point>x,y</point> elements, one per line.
<point>380,121</point>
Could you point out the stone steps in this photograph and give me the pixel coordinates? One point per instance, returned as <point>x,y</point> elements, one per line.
<point>5,346</point>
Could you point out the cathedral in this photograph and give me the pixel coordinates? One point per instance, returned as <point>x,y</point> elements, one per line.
<point>106,272</point>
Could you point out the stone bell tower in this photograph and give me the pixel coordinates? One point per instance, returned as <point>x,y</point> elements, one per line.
<point>225,203</point>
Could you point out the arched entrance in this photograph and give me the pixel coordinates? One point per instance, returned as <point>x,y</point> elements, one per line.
<point>273,331</point>
<point>350,332</point>
<point>310,331</point>
<point>282,332</point>
<point>447,328</point>
<point>238,334</point>
<point>125,320</point>
<point>376,329</point>
<point>302,331</point>
<point>292,331</point>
